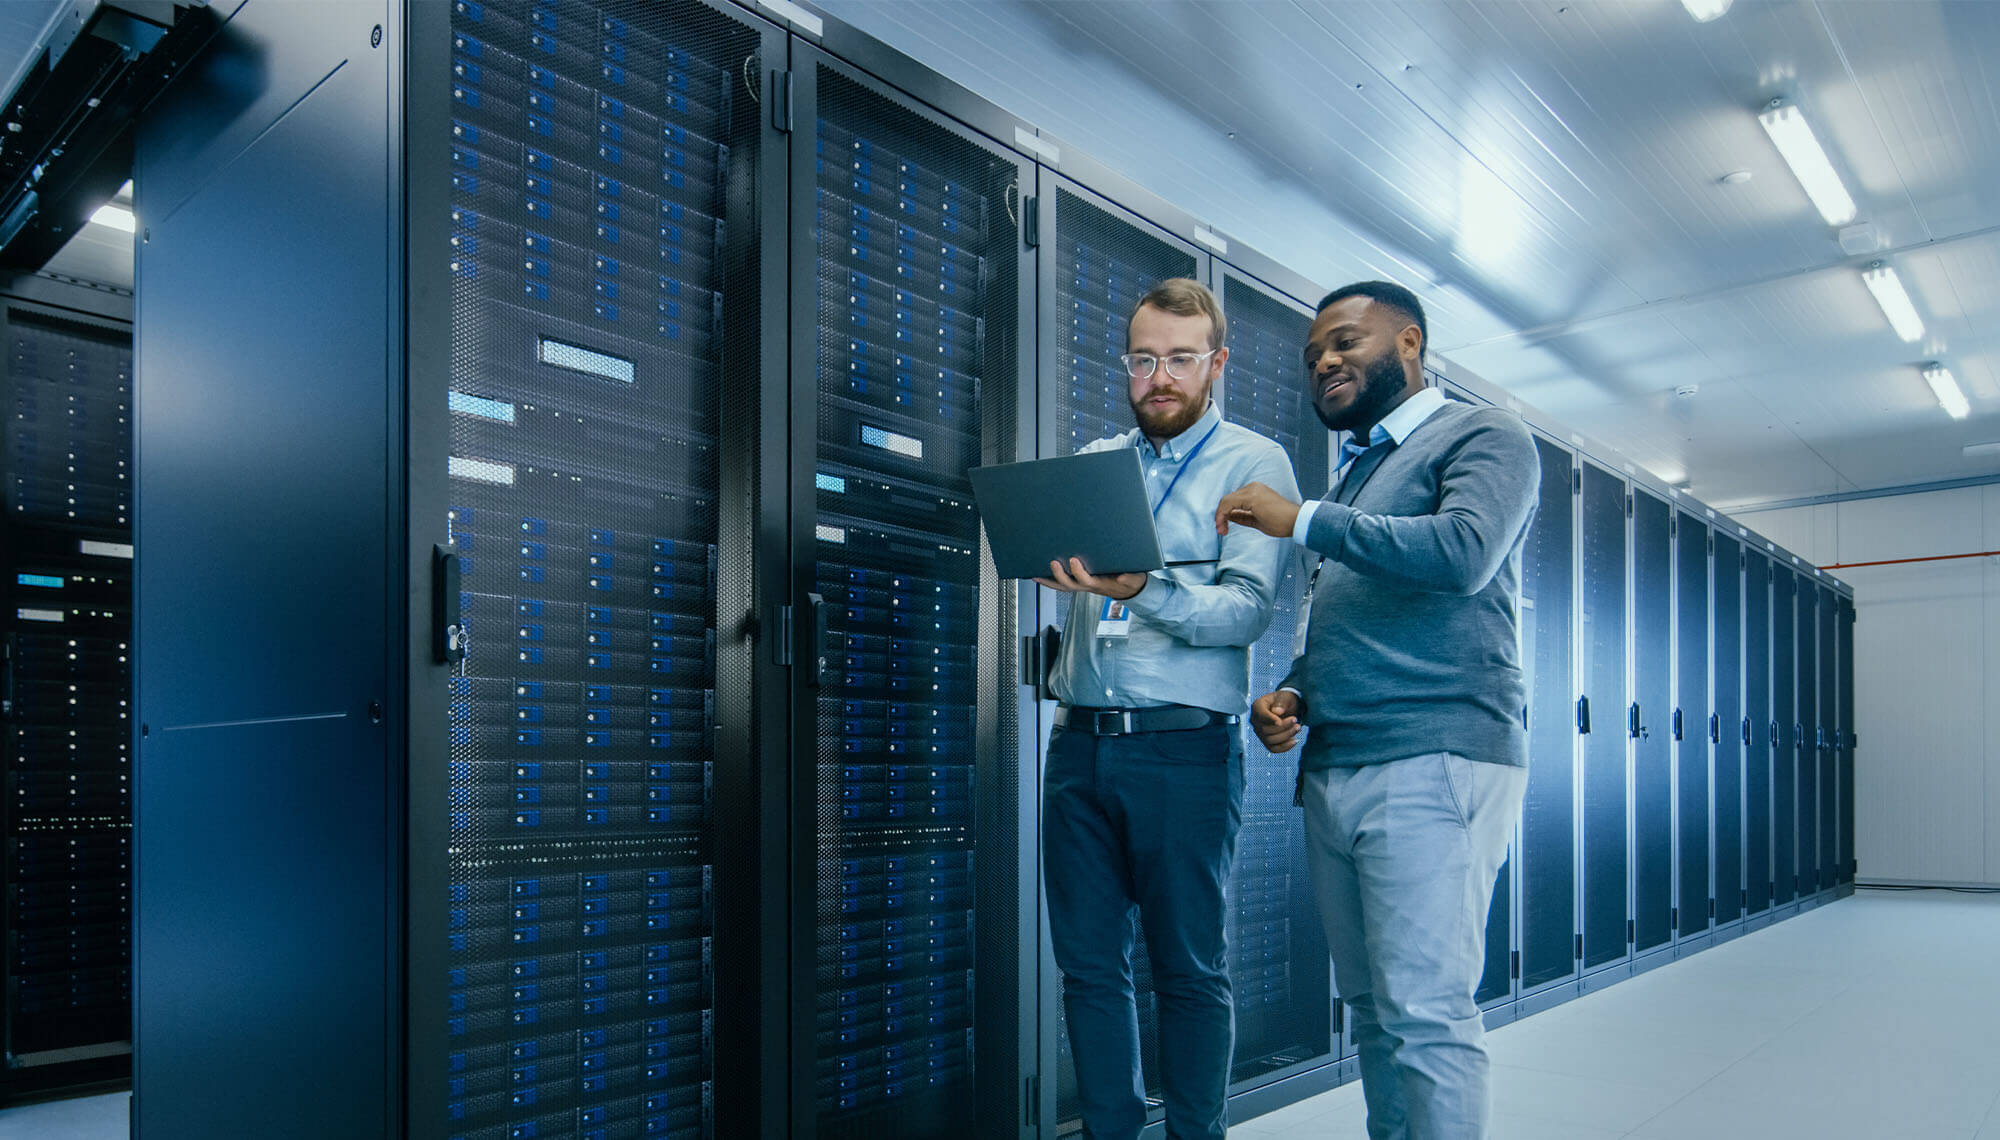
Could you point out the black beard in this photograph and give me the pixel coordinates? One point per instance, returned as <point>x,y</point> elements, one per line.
<point>1382,380</point>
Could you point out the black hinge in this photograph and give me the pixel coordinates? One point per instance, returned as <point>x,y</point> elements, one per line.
<point>1579,947</point>
<point>1031,222</point>
<point>1628,504</point>
<point>1576,488</point>
<point>1673,526</point>
<point>1742,561</point>
<point>781,637</point>
<point>1514,967</point>
<point>781,100</point>
<point>1674,919</point>
<point>1711,910</point>
<point>1743,898</point>
<point>1031,1100</point>
<point>1711,544</point>
<point>1631,932</point>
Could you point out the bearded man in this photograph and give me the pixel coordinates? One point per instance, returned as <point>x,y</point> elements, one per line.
<point>1143,790</point>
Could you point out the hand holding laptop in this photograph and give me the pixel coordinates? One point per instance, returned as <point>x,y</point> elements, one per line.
<point>1077,580</point>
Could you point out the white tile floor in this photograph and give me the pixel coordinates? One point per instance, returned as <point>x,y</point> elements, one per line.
<point>1871,1019</point>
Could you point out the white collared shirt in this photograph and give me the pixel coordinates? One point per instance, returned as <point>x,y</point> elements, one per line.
<point>1405,418</point>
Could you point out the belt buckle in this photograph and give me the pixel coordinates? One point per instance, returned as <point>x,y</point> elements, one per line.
<point>1110,722</point>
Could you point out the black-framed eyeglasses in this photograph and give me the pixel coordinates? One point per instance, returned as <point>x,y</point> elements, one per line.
<point>1180,365</point>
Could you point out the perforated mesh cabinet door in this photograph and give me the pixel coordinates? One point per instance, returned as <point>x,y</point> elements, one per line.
<point>1844,632</point>
<point>1727,825</point>
<point>1826,739</point>
<point>1546,849</point>
<point>915,253</point>
<point>1785,659</point>
<point>65,742</point>
<point>1691,750</point>
<point>1605,790</point>
<point>1757,767</point>
<point>602,379</point>
<point>1277,948</point>
<point>1652,744</point>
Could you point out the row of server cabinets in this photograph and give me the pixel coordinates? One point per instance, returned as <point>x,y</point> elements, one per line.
<point>574,698</point>
<point>65,686</point>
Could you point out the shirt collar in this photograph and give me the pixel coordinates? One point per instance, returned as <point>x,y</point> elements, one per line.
<point>1399,423</point>
<point>1176,449</point>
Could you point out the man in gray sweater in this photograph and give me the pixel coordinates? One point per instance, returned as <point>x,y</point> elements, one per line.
<point>1410,687</point>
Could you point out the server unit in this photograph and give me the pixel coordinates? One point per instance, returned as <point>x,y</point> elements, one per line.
<point>1696,728</point>
<point>65,686</point>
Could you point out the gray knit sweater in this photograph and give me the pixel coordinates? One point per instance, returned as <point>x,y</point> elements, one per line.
<point>1414,643</point>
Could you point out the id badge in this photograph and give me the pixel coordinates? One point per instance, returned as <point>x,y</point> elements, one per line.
<point>1114,620</point>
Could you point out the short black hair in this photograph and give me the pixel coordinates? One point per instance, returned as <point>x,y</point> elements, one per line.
<point>1385,293</point>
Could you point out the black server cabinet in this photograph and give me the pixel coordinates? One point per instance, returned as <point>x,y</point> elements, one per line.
<point>475,714</point>
<point>1826,738</point>
<point>1649,721</point>
<point>65,692</point>
<point>1757,733</point>
<point>1728,730</point>
<point>910,323</point>
<point>1545,846</point>
<point>1844,633</point>
<point>1096,260</point>
<point>1696,728</point>
<point>1602,718</point>
<point>1805,727</point>
<point>1278,962</point>
<point>1784,754</point>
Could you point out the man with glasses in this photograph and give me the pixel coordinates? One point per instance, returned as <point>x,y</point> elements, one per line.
<point>1144,783</point>
<point>1410,685</point>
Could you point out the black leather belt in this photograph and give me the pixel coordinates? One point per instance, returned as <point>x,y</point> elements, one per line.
<point>1125,722</point>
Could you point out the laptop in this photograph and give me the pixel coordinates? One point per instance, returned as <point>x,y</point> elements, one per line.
<point>1091,506</point>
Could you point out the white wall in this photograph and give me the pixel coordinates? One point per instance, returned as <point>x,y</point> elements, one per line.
<point>1927,676</point>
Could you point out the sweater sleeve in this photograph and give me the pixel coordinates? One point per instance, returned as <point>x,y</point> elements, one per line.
<point>1487,488</point>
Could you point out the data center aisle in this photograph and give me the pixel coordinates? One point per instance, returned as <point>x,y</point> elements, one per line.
<point>1866,1019</point>
<point>1869,1018</point>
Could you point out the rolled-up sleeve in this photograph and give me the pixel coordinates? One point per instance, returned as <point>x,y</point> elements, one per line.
<point>1235,608</point>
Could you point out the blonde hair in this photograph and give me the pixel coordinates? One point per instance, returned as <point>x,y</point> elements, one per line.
<point>1184,297</point>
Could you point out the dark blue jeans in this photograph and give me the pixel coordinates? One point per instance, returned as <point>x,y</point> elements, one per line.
<point>1145,822</point>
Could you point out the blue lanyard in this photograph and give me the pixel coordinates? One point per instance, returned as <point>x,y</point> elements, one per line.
<point>1182,470</point>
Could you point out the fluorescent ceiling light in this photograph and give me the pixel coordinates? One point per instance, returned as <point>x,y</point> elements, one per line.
<point>1793,137</point>
<point>1888,289</point>
<point>1705,10</point>
<point>117,217</point>
<point>1945,388</point>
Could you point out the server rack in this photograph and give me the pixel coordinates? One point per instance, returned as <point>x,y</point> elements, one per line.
<point>1825,740</point>
<point>1730,731</point>
<point>1286,1020</point>
<point>1097,260</point>
<point>1805,729</point>
<point>1844,634</point>
<point>1649,720</point>
<point>1696,728</point>
<point>1783,737</point>
<point>1758,734</point>
<point>1605,776</point>
<point>1545,850</point>
<point>527,739</point>
<point>65,690</point>
<point>908,344</point>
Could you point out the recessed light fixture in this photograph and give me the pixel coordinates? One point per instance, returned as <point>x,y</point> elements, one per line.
<point>1945,388</point>
<point>1889,293</point>
<point>1705,10</point>
<point>1800,149</point>
<point>115,216</point>
<point>1735,178</point>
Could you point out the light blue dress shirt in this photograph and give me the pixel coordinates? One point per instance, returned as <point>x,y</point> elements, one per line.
<point>1192,626</point>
